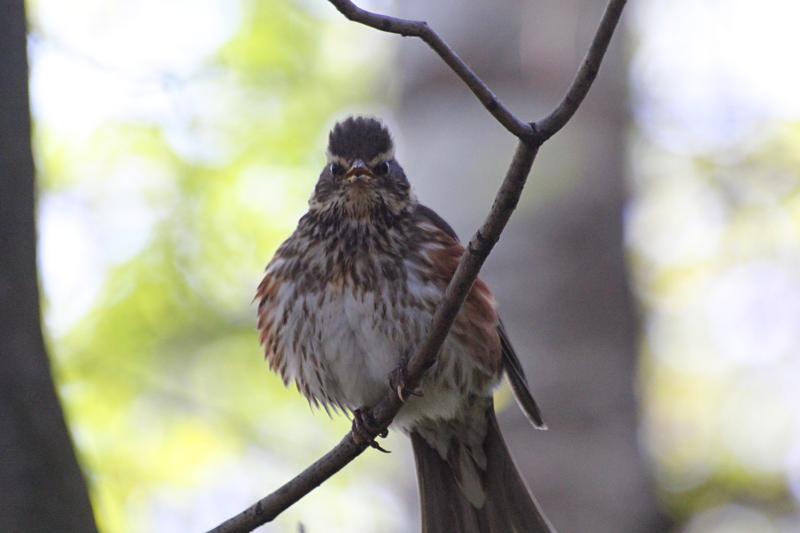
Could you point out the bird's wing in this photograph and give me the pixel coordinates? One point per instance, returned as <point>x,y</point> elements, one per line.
<point>519,384</point>
<point>436,220</point>
<point>514,371</point>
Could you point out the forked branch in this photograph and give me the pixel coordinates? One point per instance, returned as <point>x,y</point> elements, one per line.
<point>531,136</point>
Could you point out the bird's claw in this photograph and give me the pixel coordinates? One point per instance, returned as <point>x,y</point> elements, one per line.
<point>364,428</point>
<point>397,380</point>
<point>374,444</point>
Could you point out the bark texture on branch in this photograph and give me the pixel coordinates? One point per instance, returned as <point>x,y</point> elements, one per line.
<point>531,136</point>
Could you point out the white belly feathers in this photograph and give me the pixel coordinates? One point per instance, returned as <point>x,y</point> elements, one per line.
<point>358,339</point>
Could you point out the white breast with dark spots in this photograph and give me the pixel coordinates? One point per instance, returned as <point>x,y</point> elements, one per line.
<point>360,346</point>
<point>348,342</point>
<point>342,332</point>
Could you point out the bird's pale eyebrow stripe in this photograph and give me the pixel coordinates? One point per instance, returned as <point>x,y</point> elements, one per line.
<point>381,157</point>
<point>336,159</point>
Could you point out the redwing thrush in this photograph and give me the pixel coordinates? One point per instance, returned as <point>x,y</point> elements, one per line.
<point>350,296</point>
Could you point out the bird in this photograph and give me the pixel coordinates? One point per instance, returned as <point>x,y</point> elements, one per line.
<point>349,297</point>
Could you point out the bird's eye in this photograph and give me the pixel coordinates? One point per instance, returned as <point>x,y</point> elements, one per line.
<point>337,169</point>
<point>381,169</point>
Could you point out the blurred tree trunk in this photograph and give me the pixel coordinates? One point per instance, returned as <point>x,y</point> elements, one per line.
<point>41,485</point>
<point>559,271</point>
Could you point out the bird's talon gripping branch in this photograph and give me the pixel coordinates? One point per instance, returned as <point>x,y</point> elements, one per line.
<point>398,379</point>
<point>374,444</point>
<point>364,428</point>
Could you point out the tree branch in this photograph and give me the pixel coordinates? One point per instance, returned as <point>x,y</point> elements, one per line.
<point>531,137</point>
<point>579,87</point>
<point>420,28</point>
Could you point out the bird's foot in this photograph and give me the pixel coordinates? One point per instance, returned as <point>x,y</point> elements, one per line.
<point>364,427</point>
<point>398,379</point>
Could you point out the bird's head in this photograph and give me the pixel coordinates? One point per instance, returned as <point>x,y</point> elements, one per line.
<point>361,178</point>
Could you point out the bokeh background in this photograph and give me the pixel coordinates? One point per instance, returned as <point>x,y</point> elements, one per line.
<point>650,278</point>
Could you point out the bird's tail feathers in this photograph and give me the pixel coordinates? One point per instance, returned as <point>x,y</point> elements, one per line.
<point>508,507</point>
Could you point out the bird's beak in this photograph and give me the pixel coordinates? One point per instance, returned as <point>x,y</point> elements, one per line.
<point>359,172</point>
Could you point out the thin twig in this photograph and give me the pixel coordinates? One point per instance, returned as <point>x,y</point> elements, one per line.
<point>579,87</point>
<point>531,138</point>
<point>420,28</point>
